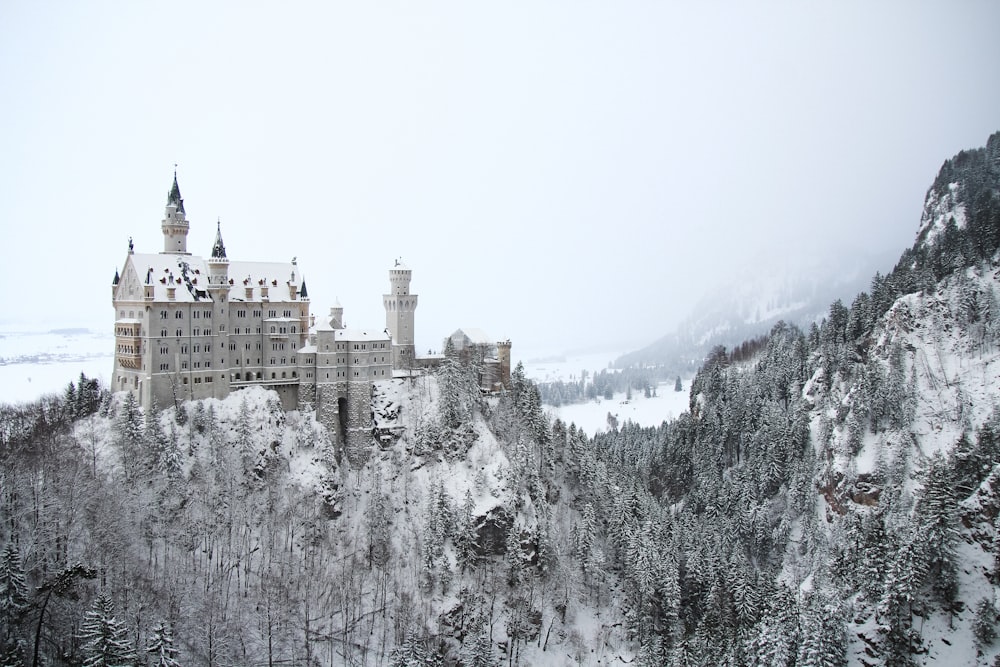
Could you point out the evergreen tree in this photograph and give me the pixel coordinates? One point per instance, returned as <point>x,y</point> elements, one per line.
<point>161,647</point>
<point>13,589</point>
<point>13,605</point>
<point>480,652</point>
<point>104,638</point>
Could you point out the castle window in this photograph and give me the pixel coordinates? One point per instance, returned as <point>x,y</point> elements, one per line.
<point>272,376</point>
<point>184,349</point>
<point>208,364</point>
<point>196,332</point>
<point>272,313</point>
<point>256,313</point>
<point>163,333</point>
<point>179,315</point>
<point>208,379</point>
<point>283,375</point>
<point>237,376</point>
<point>163,314</point>
<point>197,380</point>
<point>197,364</point>
<point>195,315</point>
<point>179,333</point>
<point>164,367</point>
<point>185,380</point>
<point>184,365</point>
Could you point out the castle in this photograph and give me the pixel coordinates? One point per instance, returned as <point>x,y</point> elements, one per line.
<point>188,327</point>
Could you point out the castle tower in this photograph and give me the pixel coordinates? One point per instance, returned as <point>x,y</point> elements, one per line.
<point>503,356</point>
<point>337,315</point>
<point>175,224</point>
<point>218,290</point>
<point>399,307</point>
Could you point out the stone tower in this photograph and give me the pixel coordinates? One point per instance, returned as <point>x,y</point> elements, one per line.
<point>399,306</point>
<point>175,225</point>
<point>503,356</point>
<point>218,289</point>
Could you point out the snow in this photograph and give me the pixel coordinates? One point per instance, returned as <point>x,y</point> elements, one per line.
<point>592,416</point>
<point>938,210</point>
<point>36,362</point>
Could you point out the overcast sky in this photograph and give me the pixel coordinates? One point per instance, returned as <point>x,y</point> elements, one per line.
<point>560,173</point>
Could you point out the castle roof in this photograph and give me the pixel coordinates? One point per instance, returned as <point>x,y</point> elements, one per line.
<point>189,275</point>
<point>360,335</point>
<point>218,248</point>
<point>174,196</point>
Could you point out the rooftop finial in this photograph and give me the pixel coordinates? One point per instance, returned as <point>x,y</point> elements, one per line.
<point>131,247</point>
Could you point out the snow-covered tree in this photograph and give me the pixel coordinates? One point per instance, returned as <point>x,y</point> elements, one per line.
<point>104,638</point>
<point>161,647</point>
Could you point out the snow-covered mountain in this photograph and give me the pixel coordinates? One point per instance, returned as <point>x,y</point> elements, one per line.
<point>798,291</point>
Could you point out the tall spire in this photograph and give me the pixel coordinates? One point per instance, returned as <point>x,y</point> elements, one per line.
<point>174,196</point>
<point>219,249</point>
<point>175,225</point>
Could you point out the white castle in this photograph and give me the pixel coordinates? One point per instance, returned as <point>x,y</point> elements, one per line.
<point>188,327</point>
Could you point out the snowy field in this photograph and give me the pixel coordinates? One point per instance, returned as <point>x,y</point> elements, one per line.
<point>592,416</point>
<point>34,362</point>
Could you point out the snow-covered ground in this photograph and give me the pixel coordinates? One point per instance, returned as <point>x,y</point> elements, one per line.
<point>592,416</point>
<point>35,362</point>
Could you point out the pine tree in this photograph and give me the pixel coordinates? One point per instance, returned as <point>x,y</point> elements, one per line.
<point>480,652</point>
<point>104,638</point>
<point>13,605</point>
<point>161,647</point>
<point>13,590</point>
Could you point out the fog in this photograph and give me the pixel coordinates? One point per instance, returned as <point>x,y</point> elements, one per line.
<point>562,174</point>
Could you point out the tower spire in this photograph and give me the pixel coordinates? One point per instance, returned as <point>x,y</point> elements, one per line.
<point>174,196</point>
<point>175,225</point>
<point>219,249</point>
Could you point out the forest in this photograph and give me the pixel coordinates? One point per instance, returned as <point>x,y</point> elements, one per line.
<point>830,498</point>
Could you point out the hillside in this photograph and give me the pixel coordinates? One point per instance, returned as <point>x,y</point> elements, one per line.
<point>831,497</point>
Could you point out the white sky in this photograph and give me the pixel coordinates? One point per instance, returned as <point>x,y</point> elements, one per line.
<point>560,173</point>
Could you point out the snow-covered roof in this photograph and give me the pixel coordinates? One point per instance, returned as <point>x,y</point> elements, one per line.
<point>360,335</point>
<point>188,274</point>
<point>308,349</point>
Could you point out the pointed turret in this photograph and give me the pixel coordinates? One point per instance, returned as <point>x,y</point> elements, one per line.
<point>174,196</point>
<point>219,248</point>
<point>218,263</point>
<point>175,224</point>
<point>117,278</point>
<point>304,293</point>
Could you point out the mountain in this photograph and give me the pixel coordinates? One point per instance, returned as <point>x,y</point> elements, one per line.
<point>797,291</point>
<point>831,497</point>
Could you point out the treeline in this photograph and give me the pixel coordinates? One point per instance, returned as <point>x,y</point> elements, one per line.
<point>605,383</point>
